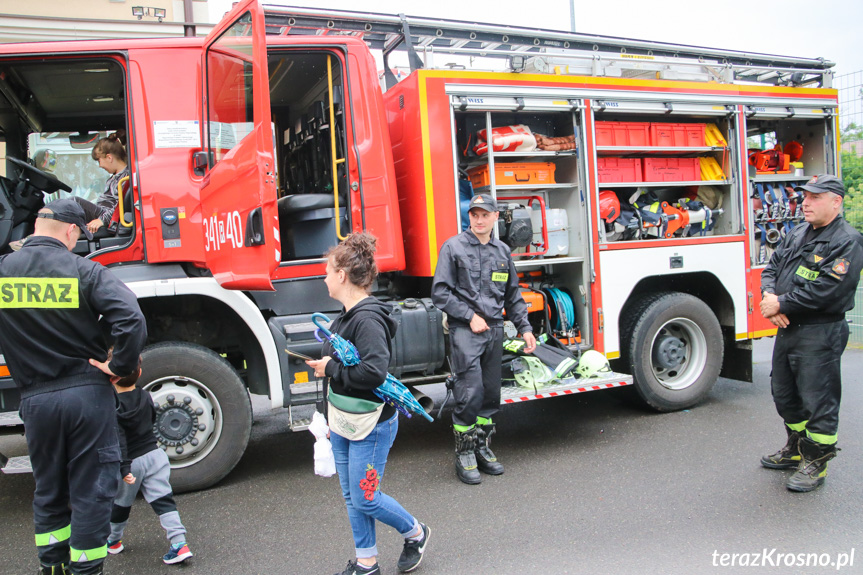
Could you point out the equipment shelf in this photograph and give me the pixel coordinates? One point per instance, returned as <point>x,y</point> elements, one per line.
<point>547,261</point>
<point>655,150</point>
<point>663,184</point>
<point>778,178</point>
<point>508,187</point>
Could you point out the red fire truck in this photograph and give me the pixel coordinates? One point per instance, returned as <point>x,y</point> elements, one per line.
<point>643,186</point>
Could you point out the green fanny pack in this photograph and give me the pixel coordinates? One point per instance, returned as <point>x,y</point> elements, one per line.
<point>352,404</point>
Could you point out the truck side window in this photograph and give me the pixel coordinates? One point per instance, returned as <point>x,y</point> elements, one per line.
<point>230,97</point>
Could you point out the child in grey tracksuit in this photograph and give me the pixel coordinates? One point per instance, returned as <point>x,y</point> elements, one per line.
<point>145,467</point>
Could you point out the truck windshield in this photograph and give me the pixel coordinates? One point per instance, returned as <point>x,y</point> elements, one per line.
<point>52,152</point>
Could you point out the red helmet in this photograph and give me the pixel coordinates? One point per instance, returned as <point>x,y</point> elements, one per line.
<point>609,206</point>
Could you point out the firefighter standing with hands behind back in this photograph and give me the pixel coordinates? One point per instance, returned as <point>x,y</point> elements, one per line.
<point>474,281</point>
<point>806,289</point>
<point>50,303</point>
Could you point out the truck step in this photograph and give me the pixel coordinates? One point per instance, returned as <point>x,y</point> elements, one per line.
<point>301,416</point>
<point>10,419</point>
<point>14,465</point>
<point>516,394</point>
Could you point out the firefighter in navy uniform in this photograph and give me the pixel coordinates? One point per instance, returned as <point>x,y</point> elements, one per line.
<point>50,303</point>
<point>474,281</point>
<point>806,288</point>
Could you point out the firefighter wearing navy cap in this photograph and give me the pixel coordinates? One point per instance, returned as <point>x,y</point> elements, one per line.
<point>806,288</point>
<point>474,282</point>
<point>50,303</point>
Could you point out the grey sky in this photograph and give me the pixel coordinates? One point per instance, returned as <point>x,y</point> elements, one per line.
<point>828,29</point>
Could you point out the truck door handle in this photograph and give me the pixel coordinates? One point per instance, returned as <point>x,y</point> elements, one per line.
<point>255,228</point>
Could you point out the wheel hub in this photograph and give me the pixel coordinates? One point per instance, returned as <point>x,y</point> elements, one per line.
<point>185,418</point>
<point>669,352</point>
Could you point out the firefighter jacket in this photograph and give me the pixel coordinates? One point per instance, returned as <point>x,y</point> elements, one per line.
<point>815,281</point>
<point>472,277</point>
<point>50,303</point>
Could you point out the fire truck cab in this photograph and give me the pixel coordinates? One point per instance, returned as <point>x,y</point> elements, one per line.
<point>255,150</point>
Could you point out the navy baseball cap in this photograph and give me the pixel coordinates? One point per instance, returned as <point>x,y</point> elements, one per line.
<point>823,183</point>
<point>67,211</point>
<point>483,202</point>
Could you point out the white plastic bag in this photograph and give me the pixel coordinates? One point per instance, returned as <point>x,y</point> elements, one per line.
<point>325,462</point>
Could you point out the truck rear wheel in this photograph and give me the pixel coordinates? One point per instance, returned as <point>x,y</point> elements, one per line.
<point>203,412</point>
<point>673,345</point>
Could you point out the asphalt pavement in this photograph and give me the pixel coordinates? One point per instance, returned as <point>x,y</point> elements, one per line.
<point>594,484</point>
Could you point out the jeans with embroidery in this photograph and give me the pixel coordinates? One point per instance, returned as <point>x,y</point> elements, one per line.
<point>360,465</point>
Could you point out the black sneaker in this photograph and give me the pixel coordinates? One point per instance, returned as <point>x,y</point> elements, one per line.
<point>355,568</point>
<point>412,554</point>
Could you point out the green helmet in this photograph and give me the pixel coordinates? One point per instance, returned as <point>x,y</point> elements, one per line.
<point>592,364</point>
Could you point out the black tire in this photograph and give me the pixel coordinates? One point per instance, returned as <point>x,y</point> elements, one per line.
<point>204,417</point>
<point>673,346</point>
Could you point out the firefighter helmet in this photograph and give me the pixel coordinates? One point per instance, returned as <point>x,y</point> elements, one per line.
<point>592,364</point>
<point>609,206</point>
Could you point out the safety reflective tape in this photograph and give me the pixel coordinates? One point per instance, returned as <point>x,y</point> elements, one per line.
<point>52,537</point>
<point>499,276</point>
<point>806,273</point>
<point>38,292</point>
<point>822,438</point>
<point>514,345</point>
<point>798,427</point>
<point>81,555</point>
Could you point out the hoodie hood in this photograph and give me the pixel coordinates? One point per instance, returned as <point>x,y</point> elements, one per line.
<point>132,404</point>
<point>372,306</point>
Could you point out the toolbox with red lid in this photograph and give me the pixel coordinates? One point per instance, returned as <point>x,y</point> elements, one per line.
<point>510,174</point>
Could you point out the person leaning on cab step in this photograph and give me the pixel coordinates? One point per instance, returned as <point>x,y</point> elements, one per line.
<point>474,281</point>
<point>51,301</point>
<point>807,287</point>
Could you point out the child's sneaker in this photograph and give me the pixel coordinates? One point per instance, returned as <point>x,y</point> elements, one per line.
<point>178,553</point>
<point>115,547</point>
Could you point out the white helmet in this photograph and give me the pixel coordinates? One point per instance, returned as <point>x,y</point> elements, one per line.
<point>592,364</point>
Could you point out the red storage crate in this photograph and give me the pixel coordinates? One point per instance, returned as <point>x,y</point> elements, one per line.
<point>675,135</point>
<point>613,170</point>
<point>671,169</point>
<point>622,134</point>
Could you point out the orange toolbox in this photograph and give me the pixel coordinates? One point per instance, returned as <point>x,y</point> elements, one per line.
<point>534,173</point>
<point>622,133</point>
<point>675,135</point>
<point>613,170</point>
<point>671,169</point>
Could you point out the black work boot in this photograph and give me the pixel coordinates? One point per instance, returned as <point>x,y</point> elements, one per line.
<point>60,569</point>
<point>485,458</point>
<point>465,460</point>
<point>788,457</point>
<point>813,466</point>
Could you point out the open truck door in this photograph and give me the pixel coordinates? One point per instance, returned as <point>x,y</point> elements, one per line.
<point>238,195</point>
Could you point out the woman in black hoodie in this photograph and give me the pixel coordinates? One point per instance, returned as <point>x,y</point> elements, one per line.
<point>365,321</point>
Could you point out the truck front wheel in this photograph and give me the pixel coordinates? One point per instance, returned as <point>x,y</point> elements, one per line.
<point>203,412</point>
<point>673,345</point>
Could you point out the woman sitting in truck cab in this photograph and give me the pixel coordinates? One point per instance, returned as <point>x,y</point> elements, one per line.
<point>111,155</point>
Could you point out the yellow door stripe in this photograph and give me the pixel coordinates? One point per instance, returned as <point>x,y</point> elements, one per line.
<point>427,172</point>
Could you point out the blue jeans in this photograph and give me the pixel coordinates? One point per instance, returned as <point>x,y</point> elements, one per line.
<point>360,465</point>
